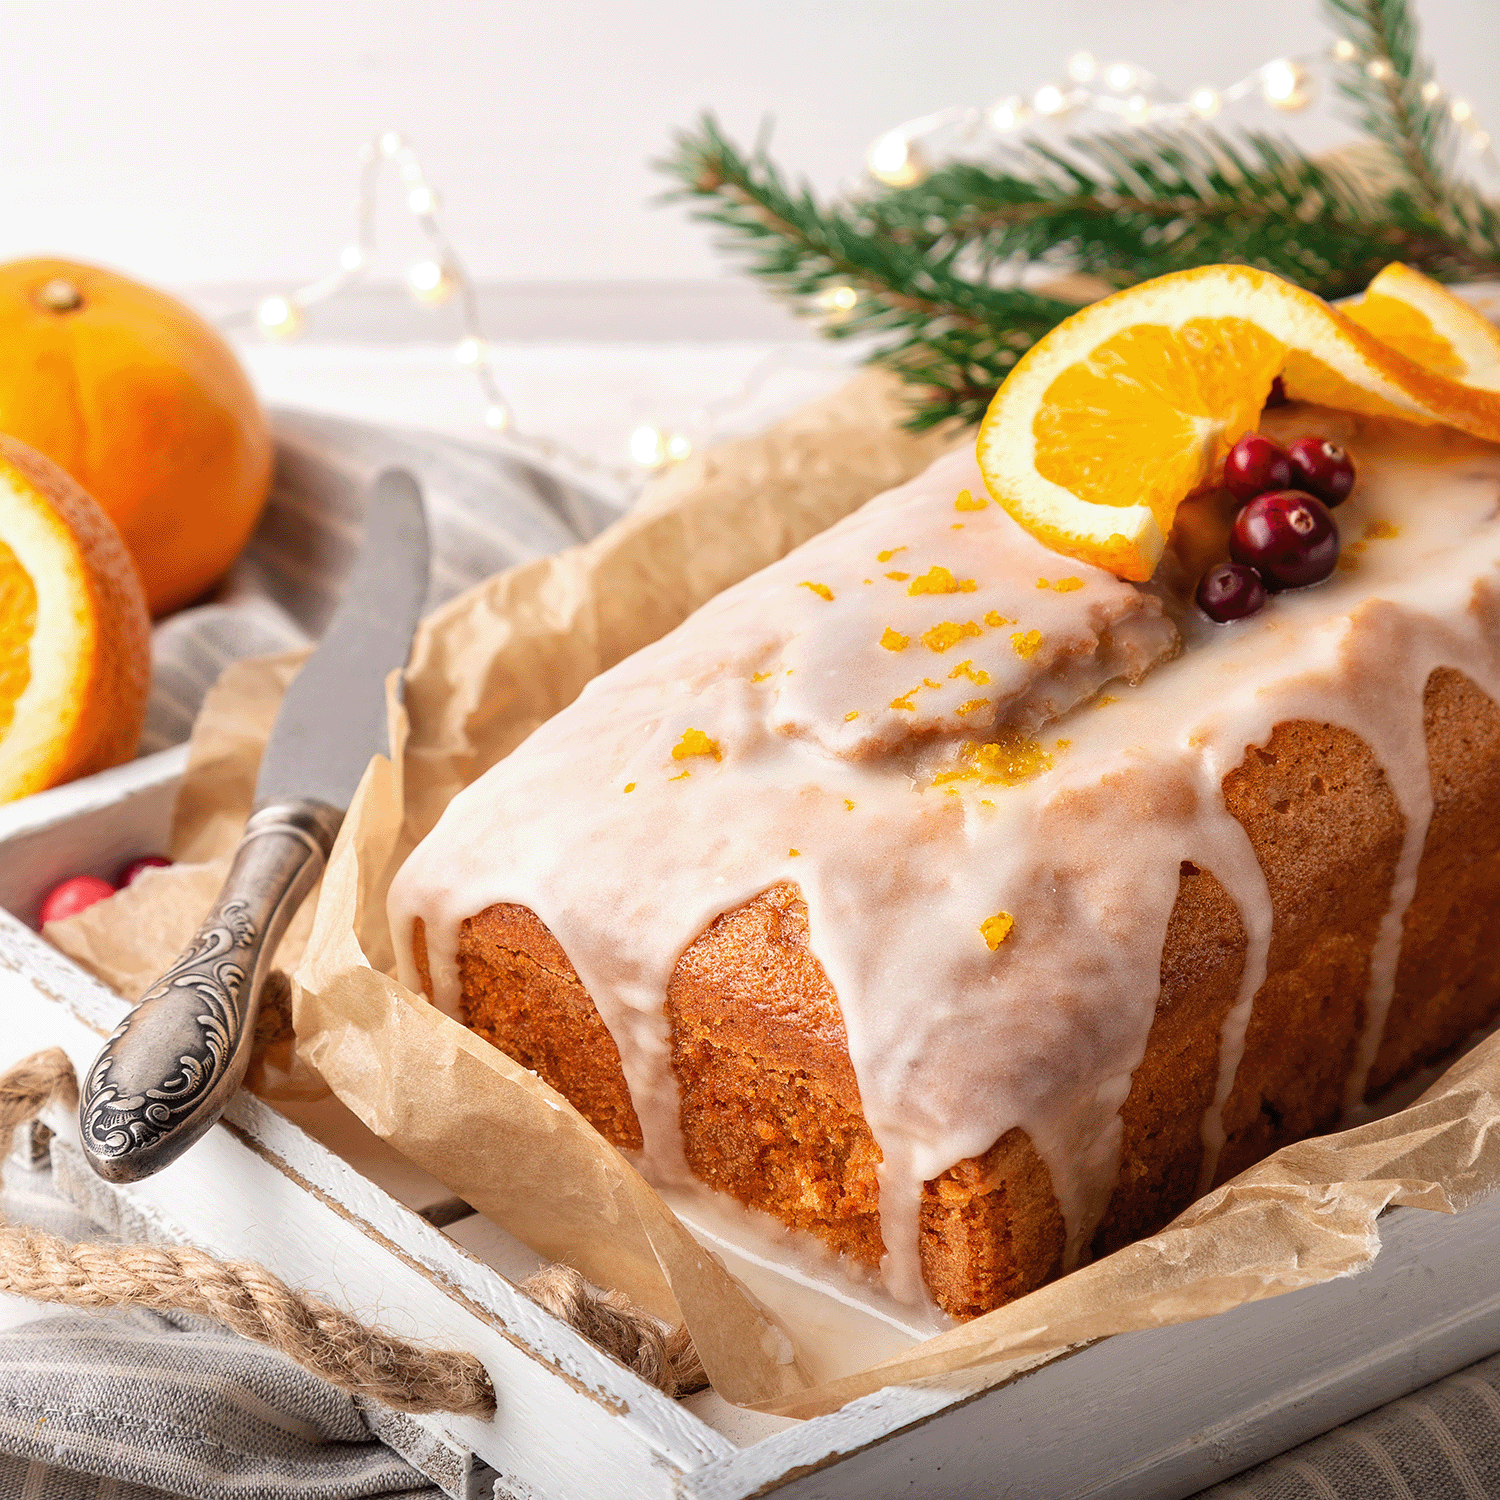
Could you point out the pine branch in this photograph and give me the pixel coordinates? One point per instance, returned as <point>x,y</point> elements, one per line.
<point>1387,81</point>
<point>936,266</point>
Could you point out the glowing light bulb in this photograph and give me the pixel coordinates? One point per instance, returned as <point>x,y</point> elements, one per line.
<point>1120,76</point>
<point>647,447</point>
<point>1205,103</point>
<point>1462,111</point>
<point>431,282</point>
<point>1285,84</point>
<point>352,258</point>
<point>411,170</point>
<point>1431,91</point>
<point>895,161</point>
<point>838,299</point>
<point>497,417</point>
<point>1137,109</point>
<point>1083,67</point>
<point>278,318</point>
<point>422,200</point>
<point>472,352</point>
<point>1379,69</point>
<point>391,142</point>
<point>1050,100</point>
<point>678,448</point>
<point>1009,113</point>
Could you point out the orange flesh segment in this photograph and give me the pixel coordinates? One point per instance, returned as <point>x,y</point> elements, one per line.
<point>1408,329</point>
<point>1159,405</point>
<point>17,621</point>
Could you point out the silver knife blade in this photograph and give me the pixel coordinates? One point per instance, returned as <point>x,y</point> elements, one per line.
<point>333,718</point>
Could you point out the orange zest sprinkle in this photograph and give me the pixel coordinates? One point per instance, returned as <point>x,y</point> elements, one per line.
<point>794,853</point>
<point>996,929</point>
<point>985,802</point>
<point>956,526</point>
<point>695,742</point>
<point>904,701</point>
<point>630,786</point>
<point>1007,761</point>
<point>820,589</point>
<point>852,714</point>
<point>1062,744</point>
<point>759,676</point>
<point>1062,586</point>
<point>973,706</point>
<point>994,619</point>
<point>888,554</point>
<point>1025,643</point>
<point>938,580</point>
<point>848,805</point>
<point>966,501</point>
<point>682,777</point>
<point>899,577</point>
<point>893,640</point>
<point>948,633</point>
<point>1104,698</point>
<point>968,669</point>
<point>928,682</point>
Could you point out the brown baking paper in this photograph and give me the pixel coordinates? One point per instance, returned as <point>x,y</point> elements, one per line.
<point>486,670</point>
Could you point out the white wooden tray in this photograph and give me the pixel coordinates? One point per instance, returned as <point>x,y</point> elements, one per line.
<point>1158,1414</point>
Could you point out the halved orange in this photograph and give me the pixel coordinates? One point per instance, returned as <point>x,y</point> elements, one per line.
<point>1120,413</point>
<point>1427,323</point>
<point>75,633</point>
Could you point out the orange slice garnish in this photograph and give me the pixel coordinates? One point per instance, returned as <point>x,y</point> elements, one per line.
<point>1120,413</point>
<point>1427,323</point>
<point>75,634</point>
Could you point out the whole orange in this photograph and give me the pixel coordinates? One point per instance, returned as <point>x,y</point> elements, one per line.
<point>146,407</point>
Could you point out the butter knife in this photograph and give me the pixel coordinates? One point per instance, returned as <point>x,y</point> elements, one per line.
<point>165,1076</point>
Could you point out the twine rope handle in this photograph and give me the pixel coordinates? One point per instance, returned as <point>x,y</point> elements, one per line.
<point>246,1297</point>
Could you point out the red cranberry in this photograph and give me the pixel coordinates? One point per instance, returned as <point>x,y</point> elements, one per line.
<point>1256,464</point>
<point>131,872</point>
<point>72,896</point>
<point>1230,592</point>
<point>1322,469</point>
<point>1288,537</point>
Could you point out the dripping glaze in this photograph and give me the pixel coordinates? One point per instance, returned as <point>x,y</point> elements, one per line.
<point>808,769</point>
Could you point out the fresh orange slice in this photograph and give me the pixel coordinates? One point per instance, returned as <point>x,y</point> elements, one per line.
<point>1120,413</point>
<point>75,634</point>
<point>1427,323</point>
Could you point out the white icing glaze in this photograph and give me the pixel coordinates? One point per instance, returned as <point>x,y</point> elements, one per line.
<point>821,780</point>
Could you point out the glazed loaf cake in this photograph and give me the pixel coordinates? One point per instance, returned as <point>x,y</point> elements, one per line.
<point>976,914</point>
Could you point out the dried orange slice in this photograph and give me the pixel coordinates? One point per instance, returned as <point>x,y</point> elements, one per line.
<point>1427,323</point>
<point>75,634</point>
<point>1120,413</point>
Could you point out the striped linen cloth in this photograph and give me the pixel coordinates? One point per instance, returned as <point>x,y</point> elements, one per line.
<point>145,1406</point>
<point>487,509</point>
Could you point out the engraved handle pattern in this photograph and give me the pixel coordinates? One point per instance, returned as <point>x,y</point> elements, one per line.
<point>172,1064</point>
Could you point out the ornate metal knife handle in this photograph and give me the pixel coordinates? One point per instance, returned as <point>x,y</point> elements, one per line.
<point>166,1074</point>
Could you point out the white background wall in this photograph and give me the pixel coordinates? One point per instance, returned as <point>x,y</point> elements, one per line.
<point>194,142</point>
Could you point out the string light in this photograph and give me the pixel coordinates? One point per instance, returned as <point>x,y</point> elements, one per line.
<point>1129,92</point>
<point>279,318</point>
<point>431,282</point>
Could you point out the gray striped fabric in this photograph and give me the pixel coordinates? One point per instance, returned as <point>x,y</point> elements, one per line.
<point>486,508</point>
<point>1439,1443</point>
<point>137,1406</point>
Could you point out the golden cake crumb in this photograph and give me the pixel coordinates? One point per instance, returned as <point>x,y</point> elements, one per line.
<point>1007,761</point>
